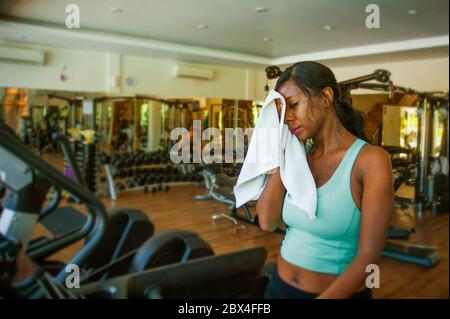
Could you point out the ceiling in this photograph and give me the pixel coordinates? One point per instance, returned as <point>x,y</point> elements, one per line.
<point>234,27</point>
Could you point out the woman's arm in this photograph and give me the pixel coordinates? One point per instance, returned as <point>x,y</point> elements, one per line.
<point>377,207</point>
<point>270,203</point>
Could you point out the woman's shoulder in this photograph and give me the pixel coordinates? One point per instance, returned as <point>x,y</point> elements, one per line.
<point>372,157</point>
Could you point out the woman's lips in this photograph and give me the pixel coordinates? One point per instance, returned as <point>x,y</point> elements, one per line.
<point>295,130</point>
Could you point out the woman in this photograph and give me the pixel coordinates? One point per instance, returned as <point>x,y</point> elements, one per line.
<point>327,257</point>
<point>125,136</point>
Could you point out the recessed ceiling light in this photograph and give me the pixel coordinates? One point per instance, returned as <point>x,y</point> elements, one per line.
<point>412,12</point>
<point>261,9</point>
<point>327,27</point>
<point>116,10</point>
<point>202,26</point>
<point>266,39</point>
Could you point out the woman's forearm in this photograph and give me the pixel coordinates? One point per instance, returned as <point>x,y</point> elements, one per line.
<point>348,283</point>
<point>269,205</point>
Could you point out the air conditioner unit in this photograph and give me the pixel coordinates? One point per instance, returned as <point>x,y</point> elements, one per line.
<point>188,71</point>
<point>22,56</point>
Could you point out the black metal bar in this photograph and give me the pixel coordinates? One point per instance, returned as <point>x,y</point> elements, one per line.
<point>69,156</point>
<point>95,224</point>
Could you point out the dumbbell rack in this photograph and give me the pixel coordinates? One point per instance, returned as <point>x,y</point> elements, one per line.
<point>146,171</point>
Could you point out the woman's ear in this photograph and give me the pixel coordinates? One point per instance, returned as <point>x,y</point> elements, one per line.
<point>327,96</point>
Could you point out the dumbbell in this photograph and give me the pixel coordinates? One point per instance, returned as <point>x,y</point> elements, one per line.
<point>123,163</point>
<point>147,159</point>
<point>149,189</point>
<point>150,159</point>
<point>168,170</point>
<point>157,179</point>
<point>157,160</point>
<point>148,179</point>
<point>106,159</point>
<point>173,170</point>
<point>130,184</point>
<point>129,161</point>
<point>141,159</point>
<point>129,173</point>
<point>117,162</point>
<point>132,160</point>
<point>140,179</point>
<point>121,160</point>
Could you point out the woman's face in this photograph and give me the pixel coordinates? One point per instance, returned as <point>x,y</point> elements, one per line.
<point>304,114</point>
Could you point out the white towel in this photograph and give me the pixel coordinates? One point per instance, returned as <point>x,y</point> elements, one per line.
<point>272,145</point>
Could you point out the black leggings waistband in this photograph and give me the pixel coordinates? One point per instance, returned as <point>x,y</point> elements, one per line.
<point>277,288</point>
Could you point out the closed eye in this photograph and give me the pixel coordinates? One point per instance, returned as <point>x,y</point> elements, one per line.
<point>293,105</point>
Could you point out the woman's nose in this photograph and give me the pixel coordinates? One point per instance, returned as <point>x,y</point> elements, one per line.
<point>287,116</point>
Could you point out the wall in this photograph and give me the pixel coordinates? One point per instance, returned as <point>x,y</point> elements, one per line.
<point>391,125</point>
<point>422,75</point>
<point>365,102</point>
<point>158,77</point>
<point>89,71</point>
<point>85,71</point>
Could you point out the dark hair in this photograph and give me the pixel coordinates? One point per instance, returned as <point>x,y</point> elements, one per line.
<point>124,124</point>
<point>311,78</point>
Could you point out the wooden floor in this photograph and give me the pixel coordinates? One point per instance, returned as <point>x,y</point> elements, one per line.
<point>176,209</point>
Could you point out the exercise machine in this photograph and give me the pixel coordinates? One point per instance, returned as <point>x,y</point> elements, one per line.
<point>24,173</point>
<point>106,238</point>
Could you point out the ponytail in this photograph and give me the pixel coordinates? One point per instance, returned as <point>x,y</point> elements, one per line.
<point>351,119</point>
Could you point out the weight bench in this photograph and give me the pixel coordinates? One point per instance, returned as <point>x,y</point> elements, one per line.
<point>224,193</point>
<point>220,188</point>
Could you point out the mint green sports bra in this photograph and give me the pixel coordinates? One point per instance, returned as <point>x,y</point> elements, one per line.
<point>329,243</point>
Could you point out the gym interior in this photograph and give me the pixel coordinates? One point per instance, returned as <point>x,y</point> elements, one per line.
<point>98,99</point>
